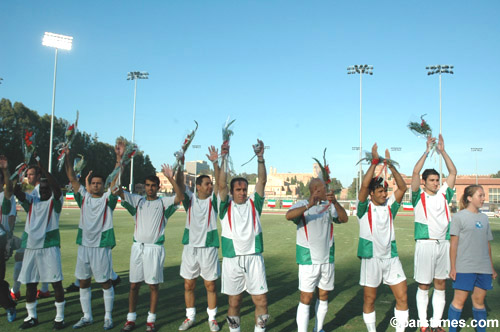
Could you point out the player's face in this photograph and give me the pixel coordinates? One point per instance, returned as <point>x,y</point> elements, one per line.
<point>151,189</point>
<point>33,178</point>
<point>45,191</point>
<point>431,184</point>
<point>378,196</point>
<point>96,186</point>
<point>240,190</point>
<point>205,189</point>
<point>477,200</point>
<point>320,190</point>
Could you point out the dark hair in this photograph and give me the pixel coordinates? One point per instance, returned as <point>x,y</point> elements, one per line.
<point>97,176</point>
<point>153,178</point>
<point>38,170</point>
<point>376,183</point>
<point>199,179</point>
<point>427,172</point>
<point>237,179</point>
<point>469,191</point>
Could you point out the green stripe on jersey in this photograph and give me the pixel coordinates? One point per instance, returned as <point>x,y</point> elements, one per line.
<point>108,239</point>
<point>52,239</point>
<point>212,239</point>
<point>227,247</point>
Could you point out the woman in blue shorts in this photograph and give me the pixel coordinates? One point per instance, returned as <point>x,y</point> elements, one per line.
<point>470,256</point>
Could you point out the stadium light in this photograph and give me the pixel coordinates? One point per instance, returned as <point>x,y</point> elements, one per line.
<point>134,76</point>
<point>360,69</point>
<point>476,150</point>
<point>58,42</point>
<point>440,69</point>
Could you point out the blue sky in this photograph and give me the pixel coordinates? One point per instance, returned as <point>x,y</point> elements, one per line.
<point>277,67</point>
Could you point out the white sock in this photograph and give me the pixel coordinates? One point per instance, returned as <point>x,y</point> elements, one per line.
<point>109,297</point>
<point>370,319</point>
<point>211,313</point>
<point>302,317</point>
<point>31,308</point>
<point>85,299</point>
<point>422,303</point>
<point>438,303</point>
<point>191,313</point>
<point>45,287</point>
<point>321,310</point>
<point>401,319</point>
<point>60,311</point>
<point>131,317</point>
<point>151,318</point>
<point>114,276</point>
<point>235,330</point>
<point>259,329</point>
<point>16,287</point>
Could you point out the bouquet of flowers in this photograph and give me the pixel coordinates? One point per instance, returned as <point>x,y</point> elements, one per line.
<point>129,152</point>
<point>78,165</point>
<point>64,147</point>
<point>325,169</point>
<point>422,129</point>
<point>179,155</point>
<point>28,144</point>
<point>381,160</point>
<point>227,162</point>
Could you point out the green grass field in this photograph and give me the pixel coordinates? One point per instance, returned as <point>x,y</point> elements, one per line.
<point>345,303</point>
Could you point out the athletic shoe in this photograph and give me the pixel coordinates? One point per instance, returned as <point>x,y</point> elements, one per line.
<point>72,288</point>
<point>150,327</point>
<point>116,282</point>
<point>186,324</point>
<point>11,314</point>
<point>29,324</point>
<point>15,296</point>
<point>59,325</point>
<point>108,324</point>
<point>42,295</point>
<point>438,329</point>
<point>129,326</point>
<point>214,327</point>
<point>82,323</point>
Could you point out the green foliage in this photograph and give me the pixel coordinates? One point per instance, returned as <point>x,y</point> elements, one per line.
<point>497,175</point>
<point>351,193</point>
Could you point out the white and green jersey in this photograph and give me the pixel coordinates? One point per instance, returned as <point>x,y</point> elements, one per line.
<point>150,217</point>
<point>315,242</point>
<point>241,229</point>
<point>201,221</point>
<point>376,230</point>
<point>432,214</point>
<point>96,219</point>
<point>7,209</point>
<point>42,222</point>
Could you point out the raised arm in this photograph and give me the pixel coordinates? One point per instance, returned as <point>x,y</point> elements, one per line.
<point>452,170</point>
<point>222,185</point>
<point>415,177</point>
<point>179,179</point>
<point>169,173</point>
<point>70,172</point>
<point>213,156</point>
<point>364,191</point>
<point>119,150</point>
<point>4,168</point>
<point>56,189</point>
<point>261,169</point>
<point>400,192</point>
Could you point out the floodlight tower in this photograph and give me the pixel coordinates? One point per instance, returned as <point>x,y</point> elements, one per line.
<point>440,69</point>
<point>360,69</point>
<point>58,42</point>
<point>134,75</point>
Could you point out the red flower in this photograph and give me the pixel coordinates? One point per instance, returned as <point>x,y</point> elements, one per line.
<point>327,169</point>
<point>329,181</point>
<point>71,127</point>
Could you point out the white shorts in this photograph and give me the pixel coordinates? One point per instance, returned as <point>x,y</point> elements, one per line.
<point>432,260</point>
<point>94,261</point>
<point>376,270</point>
<point>146,263</point>
<point>200,261</point>
<point>244,273</point>
<point>316,275</point>
<point>41,265</point>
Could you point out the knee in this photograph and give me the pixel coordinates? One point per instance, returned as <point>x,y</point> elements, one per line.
<point>189,285</point>
<point>210,286</point>
<point>261,301</point>
<point>306,298</point>
<point>234,301</point>
<point>134,287</point>
<point>154,288</point>
<point>439,284</point>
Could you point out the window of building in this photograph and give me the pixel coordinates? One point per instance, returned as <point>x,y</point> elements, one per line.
<point>494,194</point>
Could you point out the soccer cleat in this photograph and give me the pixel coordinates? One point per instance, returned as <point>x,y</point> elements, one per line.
<point>82,323</point>
<point>15,296</point>
<point>150,327</point>
<point>72,288</point>
<point>438,329</point>
<point>186,324</point>
<point>11,314</point>
<point>214,327</point>
<point>42,295</point>
<point>129,326</point>
<point>116,282</point>
<point>108,324</point>
<point>59,325</point>
<point>28,323</point>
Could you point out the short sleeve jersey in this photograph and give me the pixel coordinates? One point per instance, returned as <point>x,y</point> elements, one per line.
<point>7,209</point>
<point>474,233</point>
<point>432,215</point>
<point>315,243</point>
<point>96,219</point>
<point>376,229</point>
<point>201,221</point>
<point>151,217</point>
<point>241,228</point>
<point>42,222</point>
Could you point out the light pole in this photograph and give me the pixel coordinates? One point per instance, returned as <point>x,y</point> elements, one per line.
<point>195,146</point>
<point>440,69</point>
<point>360,69</point>
<point>476,150</point>
<point>356,148</point>
<point>134,75</point>
<point>58,42</point>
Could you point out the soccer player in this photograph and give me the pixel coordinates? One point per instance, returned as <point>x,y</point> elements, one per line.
<point>201,242</point>
<point>315,249</point>
<point>432,248</point>
<point>41,240</point>
<point>377,243</point>
<point>148,253</point>
<point>242,244</point>
<point>95,240</point>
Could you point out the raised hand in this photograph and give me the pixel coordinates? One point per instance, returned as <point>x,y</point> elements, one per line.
<point>87,180</point>
<point>440,145</point>
<point>331,196</point>
<point>167,171</point>
<point>315,197</point>
<point>375,152</point>
<point>224,149</point>
<point>259,148</point>
<point>213,153</point>
<point>119,150</point>
<point>387,154</point>
<point>430,142</point>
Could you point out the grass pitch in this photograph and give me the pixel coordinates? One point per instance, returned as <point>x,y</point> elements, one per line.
<point>345,302</point>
